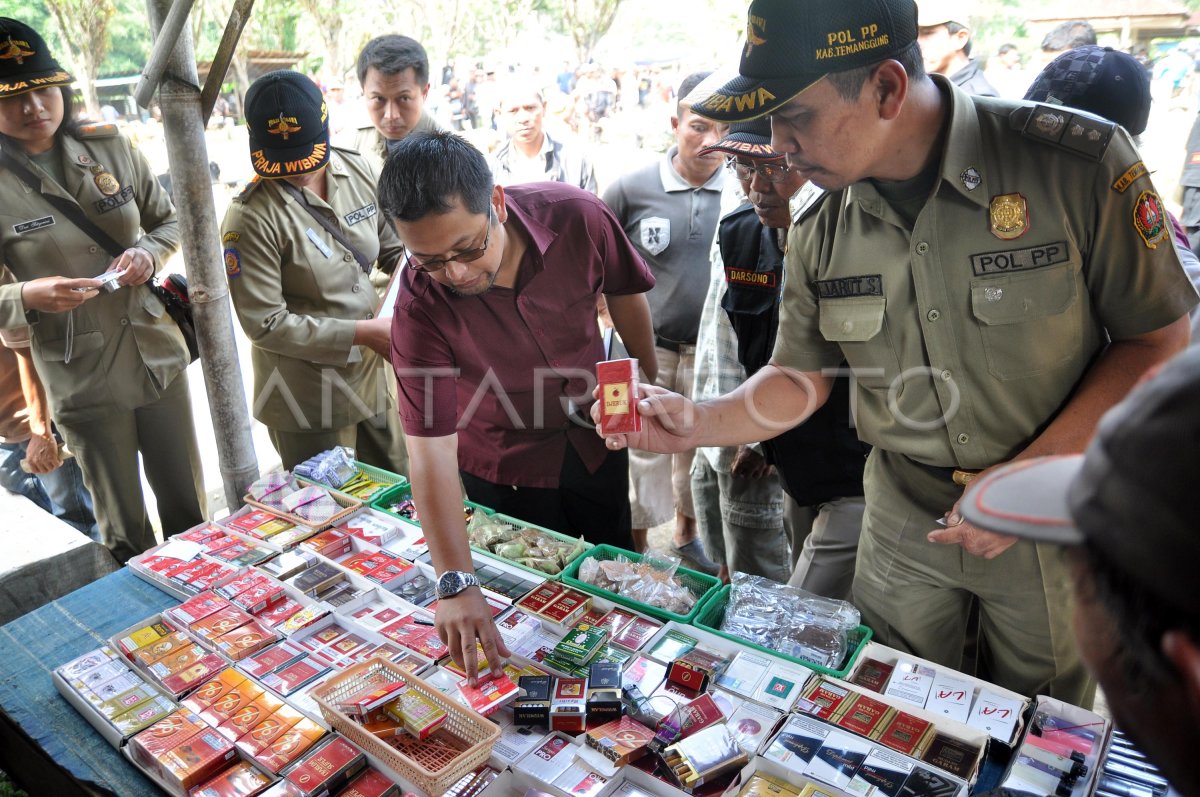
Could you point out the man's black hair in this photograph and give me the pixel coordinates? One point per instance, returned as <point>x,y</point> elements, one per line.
<point>426,172</point>
<point>685,88</point>
<point>391,55</point>
<point>1068,36</point>
<point>1139,621</point>
<point>849,84</point>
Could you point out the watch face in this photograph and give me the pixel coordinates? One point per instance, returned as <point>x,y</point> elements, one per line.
<point>453,582</point>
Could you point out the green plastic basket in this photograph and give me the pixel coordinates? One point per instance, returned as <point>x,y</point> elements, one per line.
<point>385,477</point>
<point>712,614</point>
<point>549,532</point>
<point>700,585</point>
<point>402,491</point>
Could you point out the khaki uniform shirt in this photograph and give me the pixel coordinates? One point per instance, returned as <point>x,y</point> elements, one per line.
<point>124,349</point>
<point>298,294</point>
<point>1044,236</point>
<point>371,144</point>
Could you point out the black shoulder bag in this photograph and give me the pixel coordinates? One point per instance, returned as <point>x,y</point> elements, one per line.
<point>172,291</point>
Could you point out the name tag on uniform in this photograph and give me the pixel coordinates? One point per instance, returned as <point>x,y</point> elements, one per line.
<point>316,239</point>
<point>365,212</point>
<point>33,224</point>
<point>1020,259</point>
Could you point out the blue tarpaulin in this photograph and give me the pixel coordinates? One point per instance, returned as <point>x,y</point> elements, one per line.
<point>33,645</point>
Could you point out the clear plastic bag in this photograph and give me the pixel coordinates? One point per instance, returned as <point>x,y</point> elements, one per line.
<point>790,620</point>
<point>332,468</point>
<point>651,581</point>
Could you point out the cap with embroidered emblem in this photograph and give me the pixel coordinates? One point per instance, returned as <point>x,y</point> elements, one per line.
<point>1130,496</point>
<point>25,61</point>
<point>1099,80</point>
<point>751,139</point>
<point>791,45</point>
<point>288,124</point>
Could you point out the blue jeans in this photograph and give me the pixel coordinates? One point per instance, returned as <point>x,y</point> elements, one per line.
<point>60,492</point>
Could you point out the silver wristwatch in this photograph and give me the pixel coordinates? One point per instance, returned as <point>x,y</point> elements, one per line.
<point>453,582</point>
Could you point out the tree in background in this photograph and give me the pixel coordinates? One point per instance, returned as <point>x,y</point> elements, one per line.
<point>84,27</point>
<point>586,21</point>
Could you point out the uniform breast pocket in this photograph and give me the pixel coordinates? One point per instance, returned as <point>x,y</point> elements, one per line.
<point>1030,323</point>
<point>859,325</point>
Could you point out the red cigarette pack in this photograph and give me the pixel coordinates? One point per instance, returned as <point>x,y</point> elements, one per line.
<point>290,745</point>
<point>250,520</point>
<point>245,640</point>
<point>541,596</point>
<point>197,608</point>
<point>206,667</point>
<point>371,783</point>
<point>567,608</point>
<point>273,658</point>
<point>239,780</point>
<point>208,692</point>
<point>248,717</point>
<point>618,396</point>
<point>220,622</point>
<point>197,759</point>
<point>231,702</point>
<point>324,769</point>
<point>280,612</point>
<point>165,735</point>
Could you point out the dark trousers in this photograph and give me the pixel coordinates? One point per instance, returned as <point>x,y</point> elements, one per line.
<point>595,505</point>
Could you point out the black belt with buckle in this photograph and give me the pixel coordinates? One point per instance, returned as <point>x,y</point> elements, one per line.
<point>959,476</point>
<point>671,345</point>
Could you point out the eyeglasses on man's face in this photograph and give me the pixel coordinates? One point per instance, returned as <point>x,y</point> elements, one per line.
<point>772,172</point>
<point>431,265</point>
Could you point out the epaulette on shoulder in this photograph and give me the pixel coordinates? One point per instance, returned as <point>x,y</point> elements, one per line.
<point>810,204</point>
<point>348,150</point>
<point>97,131</point>
<point>248,189</point>
<point>1077,132</point>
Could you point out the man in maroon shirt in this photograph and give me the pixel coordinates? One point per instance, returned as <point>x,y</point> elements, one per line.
<point>495,344</point>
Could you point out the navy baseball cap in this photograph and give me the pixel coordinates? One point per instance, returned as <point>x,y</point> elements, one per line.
<point>1099,80</point>
<point>288,123</point>
<point>1131,495</point>
<point>791,45</point>
<point>25,60</point>
<point>751,139</point>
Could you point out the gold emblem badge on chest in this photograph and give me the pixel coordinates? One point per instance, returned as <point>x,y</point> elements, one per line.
<point>1008,216</point>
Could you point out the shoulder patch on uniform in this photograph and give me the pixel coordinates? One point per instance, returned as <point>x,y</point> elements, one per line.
<point>248,189</point>
<point>1132,173</point>
<point>1081,133</point>
<point>233,262</point>
<point>97,131</point>
<point>1150,220</point>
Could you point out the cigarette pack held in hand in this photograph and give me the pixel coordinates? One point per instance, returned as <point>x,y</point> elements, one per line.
<point>618,381</point>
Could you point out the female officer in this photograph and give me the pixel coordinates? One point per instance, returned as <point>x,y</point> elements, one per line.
<point>301,244</point>
<point>112,360</point>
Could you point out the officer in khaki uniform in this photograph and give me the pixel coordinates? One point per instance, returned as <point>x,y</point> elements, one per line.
<point>393,71</point>
<point>997,274</point>
<point>304,297</point>
<point>113,363</point>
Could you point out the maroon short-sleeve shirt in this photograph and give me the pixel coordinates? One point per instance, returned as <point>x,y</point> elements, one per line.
<point>499,369</point>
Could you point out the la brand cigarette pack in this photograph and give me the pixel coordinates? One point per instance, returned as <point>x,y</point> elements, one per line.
<point>618,396</point>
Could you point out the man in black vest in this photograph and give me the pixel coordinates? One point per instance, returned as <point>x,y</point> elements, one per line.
<point>820,463</point>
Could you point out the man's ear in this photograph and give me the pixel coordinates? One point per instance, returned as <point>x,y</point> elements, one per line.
<point>889,85</point>
<point>498,203</point>
<point>1183,652</point>
<point>961,38</point>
